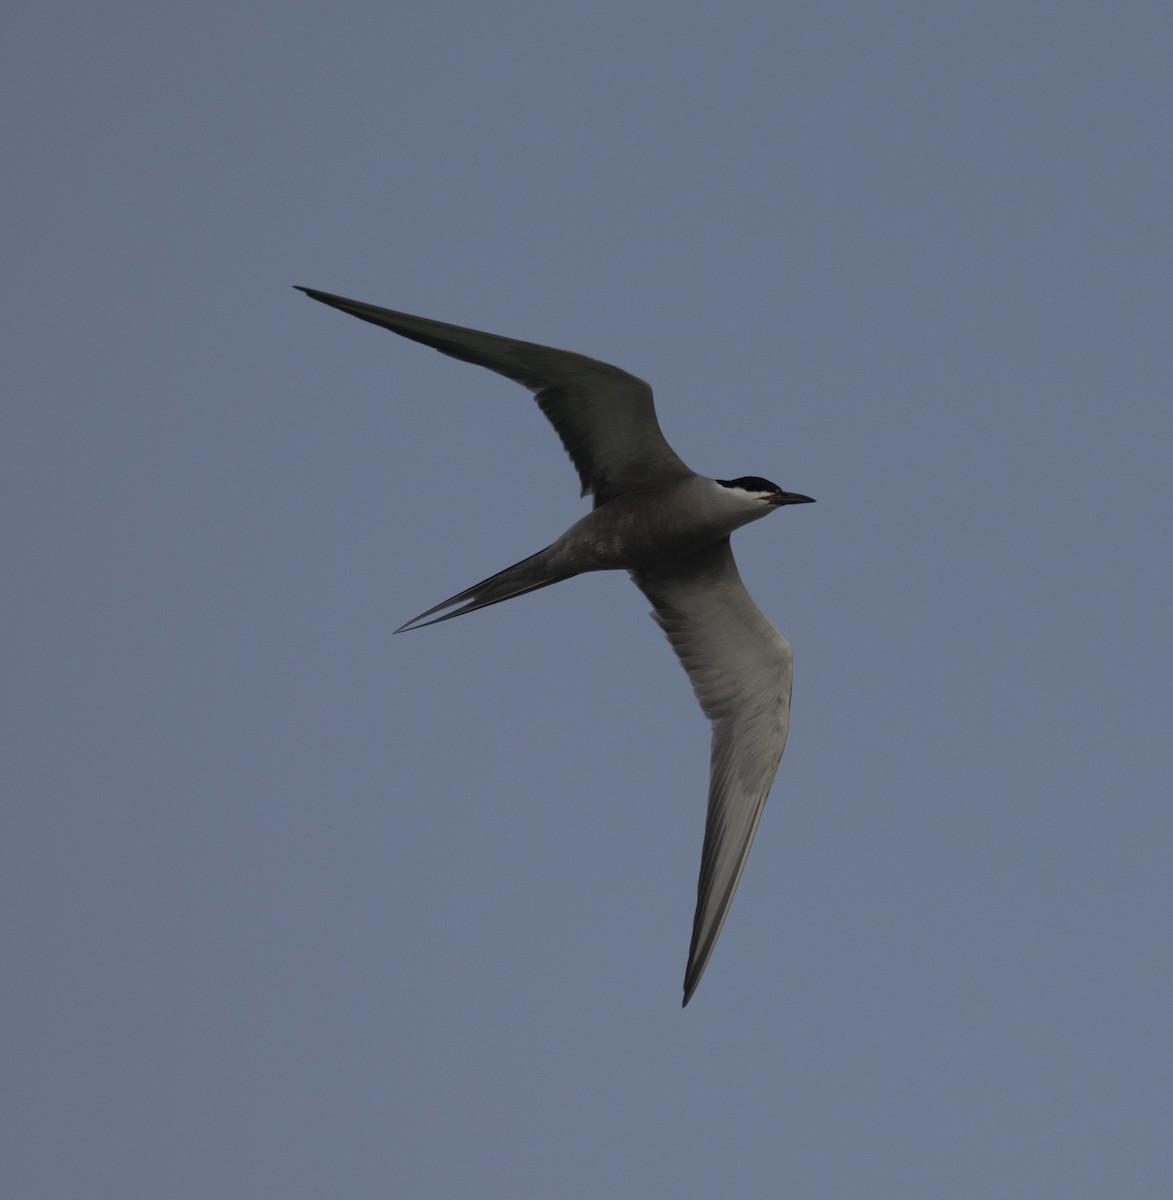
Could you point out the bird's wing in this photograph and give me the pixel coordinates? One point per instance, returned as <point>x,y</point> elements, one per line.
<point>740,667</point>
<point>604,416</point>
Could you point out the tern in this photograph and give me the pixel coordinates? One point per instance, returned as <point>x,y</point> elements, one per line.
<point>669,528</point>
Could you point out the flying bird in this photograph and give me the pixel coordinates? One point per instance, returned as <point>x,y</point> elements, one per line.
<point>669,528</point>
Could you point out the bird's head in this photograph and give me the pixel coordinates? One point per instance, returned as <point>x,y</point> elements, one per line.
<point>762,490</point>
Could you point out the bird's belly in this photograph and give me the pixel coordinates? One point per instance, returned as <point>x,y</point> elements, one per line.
<point>630,538</point>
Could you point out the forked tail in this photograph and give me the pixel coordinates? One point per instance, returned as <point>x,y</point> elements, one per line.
<point>526,576</point>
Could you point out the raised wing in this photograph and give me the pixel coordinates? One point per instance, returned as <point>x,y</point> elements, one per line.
<point>604,416</point>
<point>741,669</point>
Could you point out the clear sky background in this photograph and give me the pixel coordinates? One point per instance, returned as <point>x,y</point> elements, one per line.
<point>296,909</point>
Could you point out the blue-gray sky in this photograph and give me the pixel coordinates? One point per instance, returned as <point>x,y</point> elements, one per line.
<point>297,909</point>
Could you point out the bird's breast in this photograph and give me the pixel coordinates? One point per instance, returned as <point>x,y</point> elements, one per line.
<point>638,529</point>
